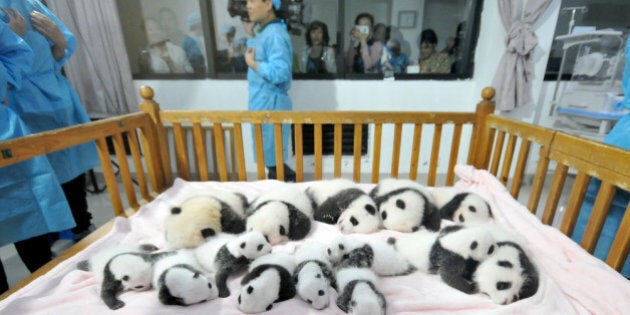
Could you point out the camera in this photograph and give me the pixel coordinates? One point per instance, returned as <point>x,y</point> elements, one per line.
<point>363,29</point>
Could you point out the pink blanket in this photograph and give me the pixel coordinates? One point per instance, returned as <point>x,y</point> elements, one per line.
<point>572,281</point>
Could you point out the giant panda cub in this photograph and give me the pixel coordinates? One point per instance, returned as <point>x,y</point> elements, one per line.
<point>199,217</point>
<point>382,258</point>
<point>457,252</point>
<point>342,202</point>
<point>268,281</point>
<point>280,214</point>
<point>405,205</point>
<point>358,293</point>
<point>507,275</point>
<point>415,247</point>
<point>180,281</point>
<point>226,254</point>
<point>313,275</point>
<point>119,269</point>
<point>461,206</point>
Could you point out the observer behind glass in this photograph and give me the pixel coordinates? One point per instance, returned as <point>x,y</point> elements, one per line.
<point>270,58</point>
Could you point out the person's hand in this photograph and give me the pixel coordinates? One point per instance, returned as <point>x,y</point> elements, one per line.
<point>16,21</point>
<point>363,37</point>
<point>250,55</point>
<point>51,31</point>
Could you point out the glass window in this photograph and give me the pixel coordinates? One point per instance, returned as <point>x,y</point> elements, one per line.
<point>231,29</point>
<point>167,40</point>
<point>587,16</point>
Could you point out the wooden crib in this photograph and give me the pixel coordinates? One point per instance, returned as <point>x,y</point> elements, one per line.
<point>212,145</point>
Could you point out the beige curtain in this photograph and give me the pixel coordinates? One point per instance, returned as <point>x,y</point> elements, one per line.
<point>99,69</point>
<point>513,79</point>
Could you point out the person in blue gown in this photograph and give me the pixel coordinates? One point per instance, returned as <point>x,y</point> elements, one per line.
<point>32,200</point>
<point>47,101</point>
<point>270,58</point>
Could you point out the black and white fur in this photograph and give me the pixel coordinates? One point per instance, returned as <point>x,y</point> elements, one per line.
<point>342,202</point>
<point>281,214</point>
<point>119,269</point>
<point>358,292</point>
<point>405,205</point>
<point>268,281</point>
<point>416,247</point>
<point>313,275</point>
<point>226,254</point>
<point>457,252</point>
<point>508,275</point>
<point>382,258</point>
<point>180,281</point>
<point>461,206</point>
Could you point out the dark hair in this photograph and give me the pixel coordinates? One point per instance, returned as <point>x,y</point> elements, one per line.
<point>313,26</point>
<point>364,15</point>
<point>428,36</point>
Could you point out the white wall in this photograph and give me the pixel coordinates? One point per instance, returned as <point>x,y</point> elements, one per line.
<point>424,95</point>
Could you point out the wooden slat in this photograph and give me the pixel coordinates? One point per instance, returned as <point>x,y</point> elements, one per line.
<point>497,153</point>
<point>452,161</point>
<point>219,146</point>
<point>539,180</point>
<point>621,245</point>
<point>110,177</point>
<point>555,192</point>
<point>299,153</point>
<point>123,168</point>
<point>396,150</point>
<point>260,157</point>
<point>181,151</point>
<point>200,151</point>
<point>574,203</point>
<point>415,152</point>
<point>435,154</point>
<point>358,135</point>
<point>338,136</point>
<point>376,153</point>
<point>136,157</point>
<point>519,171</point>
<point>318,151</point>
<point>277,132</point>
<point>507,160</point>
<point>598,216</point>
<point>240,152</point>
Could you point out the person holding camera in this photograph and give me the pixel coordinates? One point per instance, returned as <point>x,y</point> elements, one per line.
<point>269,57</point>
<point>365,53</point>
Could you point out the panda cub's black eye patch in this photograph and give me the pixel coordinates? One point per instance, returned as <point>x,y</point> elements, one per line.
<point>282,230</point>
<point>501,285</point>
<point>354,221</point>
<point>319,275</point>
<point>243,245</point>
<point>491,250</point>
<point>320,292</point>
<point>472,208</point>
<point>207,233</point>
<point>125,278</point>
<point>370,209</point>
<point>505,264</point>
<point>269,307</point>
<point>176,210</point>
<point>461,218</point>
<point>329,252</point>
<point>309,301</point>
<point>250,289</point>
<point>341,246</point>
<point>384,215</point>
<point>473,245</point>
<point>209,285</point>
<point>400,204</point>
<point>260,247</point>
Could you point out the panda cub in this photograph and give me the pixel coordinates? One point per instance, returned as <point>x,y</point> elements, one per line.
<point>382,258</point>
<point>313,275</point>
<point>508,275</point>
<point>199,217</point>
<point>415,248</point>
<point>268,281</point>
<point>180,281</point>
<point>226,254</point>
<point>120,268</point>
<point>461,206</point>
<point>405,205</point>
<point>280,214</point>
<point>358,292</point>
<point>342,202</point>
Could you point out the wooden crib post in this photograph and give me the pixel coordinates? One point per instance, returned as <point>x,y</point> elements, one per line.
<point>480,134</point>
<point>148,105</point>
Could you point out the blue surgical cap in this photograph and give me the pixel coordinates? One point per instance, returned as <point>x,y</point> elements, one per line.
<point>193,19</point>
<point>276,4</point>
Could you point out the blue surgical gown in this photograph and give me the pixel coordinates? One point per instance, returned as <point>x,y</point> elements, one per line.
<point>30,194</point>
<point>268,88</point>
<point>46,99</point>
